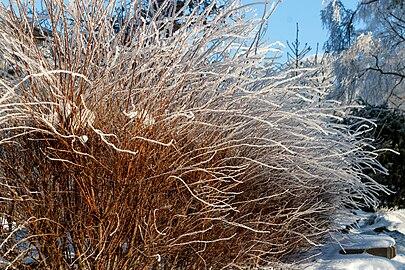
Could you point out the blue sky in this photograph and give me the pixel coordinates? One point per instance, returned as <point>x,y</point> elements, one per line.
<point>282,24</point>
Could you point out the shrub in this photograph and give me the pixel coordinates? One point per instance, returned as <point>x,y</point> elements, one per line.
<point>182,150</point>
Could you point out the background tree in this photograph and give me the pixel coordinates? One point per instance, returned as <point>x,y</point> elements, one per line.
<point>296,54</point>
<point>318,75</point>
<point>368,43</point>
<point>177,12</point>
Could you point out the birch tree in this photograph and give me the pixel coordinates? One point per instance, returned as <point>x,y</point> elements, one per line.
<point>368,43</point>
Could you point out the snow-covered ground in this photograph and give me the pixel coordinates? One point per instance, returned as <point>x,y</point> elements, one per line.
<point>384,228</point>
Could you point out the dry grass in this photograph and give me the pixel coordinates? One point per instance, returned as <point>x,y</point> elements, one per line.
<point>179,150</point>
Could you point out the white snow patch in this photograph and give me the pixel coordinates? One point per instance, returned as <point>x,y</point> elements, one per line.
<point>368,230</point>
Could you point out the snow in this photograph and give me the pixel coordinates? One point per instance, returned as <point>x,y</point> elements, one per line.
<point>358,262</point>
<point>332,259</point>
<point>363,241</point>
<point>384,228</point>
<point>392,220</point>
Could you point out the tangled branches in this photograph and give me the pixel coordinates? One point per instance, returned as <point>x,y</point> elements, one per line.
<point>149,148</point>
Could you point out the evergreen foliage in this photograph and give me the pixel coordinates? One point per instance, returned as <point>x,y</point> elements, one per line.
<point>389,133</point>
